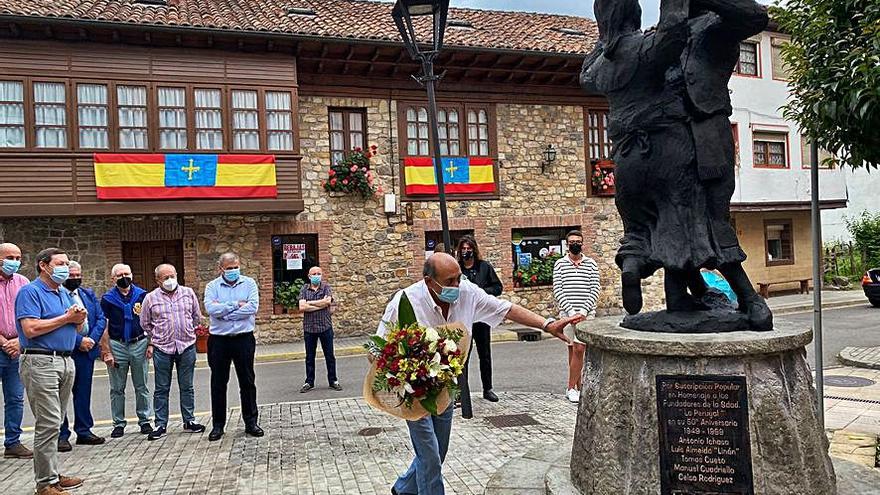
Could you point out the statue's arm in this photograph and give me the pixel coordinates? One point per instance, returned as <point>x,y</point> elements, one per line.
<point>740,18</point>
<point>663,47</point>
<point>588,79</point>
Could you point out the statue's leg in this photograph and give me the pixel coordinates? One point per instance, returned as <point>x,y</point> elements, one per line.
<point>750,302</point>
<point>631,284</point>
<point>696,284</point>
<point>675,285</point>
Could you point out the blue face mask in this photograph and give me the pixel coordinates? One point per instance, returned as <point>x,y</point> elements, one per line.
<point>60,274</point>
<point>232,275</point>
<point>447,294</point>
<point>11,267</point>
<point>315,279</point>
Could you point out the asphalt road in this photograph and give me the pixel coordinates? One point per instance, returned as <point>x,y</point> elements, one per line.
<point>518,366</point>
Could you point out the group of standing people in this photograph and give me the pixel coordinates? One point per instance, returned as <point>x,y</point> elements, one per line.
<point>53,329</point>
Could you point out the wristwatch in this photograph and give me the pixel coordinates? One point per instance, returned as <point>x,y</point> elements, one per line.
<point>547,323</point>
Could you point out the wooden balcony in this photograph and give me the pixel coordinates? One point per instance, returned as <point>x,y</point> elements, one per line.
<point>63,184</point>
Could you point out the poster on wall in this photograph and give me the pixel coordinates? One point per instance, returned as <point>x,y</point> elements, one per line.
<point>293,255</point>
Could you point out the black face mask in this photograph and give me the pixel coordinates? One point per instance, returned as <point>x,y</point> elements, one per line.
<point>575,248</point>
<point>123,282</point>
<point>466,255</point>
<point>72,284</point>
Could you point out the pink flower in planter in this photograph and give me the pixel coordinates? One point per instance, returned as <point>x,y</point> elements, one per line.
<point>354,168</point>
<point>332,182</point>
<point>332,172</point>
<point>344,182</point>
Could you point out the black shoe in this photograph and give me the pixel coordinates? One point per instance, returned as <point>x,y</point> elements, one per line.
<point>254,431</point>
<point>306,387</point>
<point>490,396</point>
<point>215,434</point>
<point>89,439</point>
<point>194,427</point>
<point>146,429</point>
<point>336,386</point>
<point>118,431</point>
<point>64,446</point>
<point>156,434</point>
<point>393,491</point>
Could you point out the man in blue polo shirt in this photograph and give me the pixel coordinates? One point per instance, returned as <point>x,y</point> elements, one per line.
<point>47,320</point>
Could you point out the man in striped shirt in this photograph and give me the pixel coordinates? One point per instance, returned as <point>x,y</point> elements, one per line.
<point>576,290</point>
<point>169,316</point>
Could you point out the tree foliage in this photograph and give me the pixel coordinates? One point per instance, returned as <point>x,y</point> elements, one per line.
<point>833,62</point>
<point>865,230</point>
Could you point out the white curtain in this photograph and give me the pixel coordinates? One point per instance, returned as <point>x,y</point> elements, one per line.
<point>277,100</point>
<point>132,102</point>
<point>209,119</point>
<point>50,115</point>
<point>245,119</point>
<point>172,118</point>
<point>92,114</point>
<point>11,114</point>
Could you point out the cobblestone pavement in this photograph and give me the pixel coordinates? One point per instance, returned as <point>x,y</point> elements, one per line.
<point>309,448</point>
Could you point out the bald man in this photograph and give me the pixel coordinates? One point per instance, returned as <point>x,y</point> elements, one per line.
<point>13,389</point>
<point>440,298</point>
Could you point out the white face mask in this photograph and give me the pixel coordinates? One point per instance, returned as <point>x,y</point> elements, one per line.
<point>170,284</point>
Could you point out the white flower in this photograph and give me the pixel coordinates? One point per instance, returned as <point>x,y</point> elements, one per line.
<point>434,366</point>
<point>450,346</point>
<point>431,335</point>
<point>408,388</point>
<point>432,347</point>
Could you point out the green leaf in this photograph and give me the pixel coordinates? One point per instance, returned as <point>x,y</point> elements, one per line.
<point>379,341</point>
<point>430,404</point>
<point>406,315</point>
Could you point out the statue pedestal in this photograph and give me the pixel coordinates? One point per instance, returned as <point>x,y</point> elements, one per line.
<point>735,411</point>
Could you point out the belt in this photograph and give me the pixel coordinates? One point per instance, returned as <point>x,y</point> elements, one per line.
<point>46,352</point>
<point>132,341</point>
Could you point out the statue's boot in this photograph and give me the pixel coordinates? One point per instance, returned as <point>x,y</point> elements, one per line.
<point>631,283</point>
<point>750,302</point>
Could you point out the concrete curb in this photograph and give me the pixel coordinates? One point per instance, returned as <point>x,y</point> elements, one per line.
<point>278,357</point>
<point>802,308</point>
<point>860,357</point>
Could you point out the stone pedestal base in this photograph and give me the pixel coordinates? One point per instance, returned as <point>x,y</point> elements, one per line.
<point>616,444</point>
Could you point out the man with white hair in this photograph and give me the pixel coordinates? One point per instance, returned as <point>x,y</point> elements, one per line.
<point>83,362</point>
<point>125,346</point>
<point>10,349</point>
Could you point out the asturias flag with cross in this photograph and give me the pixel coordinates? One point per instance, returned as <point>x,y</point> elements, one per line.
<point>180,176</point>
<point>461,175</point>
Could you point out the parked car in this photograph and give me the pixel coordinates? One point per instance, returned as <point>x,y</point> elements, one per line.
<point>871,285</point>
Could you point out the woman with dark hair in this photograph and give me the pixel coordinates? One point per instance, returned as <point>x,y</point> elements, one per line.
<point>481,273</point>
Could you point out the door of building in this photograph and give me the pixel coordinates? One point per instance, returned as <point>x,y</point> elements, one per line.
<point>144,257</point>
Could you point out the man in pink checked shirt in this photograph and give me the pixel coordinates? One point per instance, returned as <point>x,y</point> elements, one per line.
<point>169,316</point>
<point>13,388</point>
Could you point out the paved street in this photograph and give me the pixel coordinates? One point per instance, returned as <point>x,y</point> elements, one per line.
<point>856,326</point>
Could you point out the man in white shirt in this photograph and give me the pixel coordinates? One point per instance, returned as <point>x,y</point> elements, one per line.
<point>442,297</point>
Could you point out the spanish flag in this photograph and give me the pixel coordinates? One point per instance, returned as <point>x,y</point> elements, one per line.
<point>182,176</point>
<point>461,175</point>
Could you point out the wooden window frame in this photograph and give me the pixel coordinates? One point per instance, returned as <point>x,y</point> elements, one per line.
<point>787,222</point>
<point>738,69</point>
<point>68,117</point>
<point>26,116</point>
<point>111,114</point>
<point>346,128</point>
<point>152,135</point>
<point>603,144</point>
<point>264,117</point>
<point>463,107</point>
<point>781,132</point>
<point>261,124</point>
<point>187,109</point>
<point>225,121</point>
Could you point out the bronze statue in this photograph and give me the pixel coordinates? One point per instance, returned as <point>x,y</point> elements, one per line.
<point>674,153</point>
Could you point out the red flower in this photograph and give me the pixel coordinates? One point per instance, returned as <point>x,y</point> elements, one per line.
<point>345,182</point>
<point>534,278</point>
<point>358,149</point>
<point>394,382</point>
<point>332,182</point>
<point>374,147</point>
<point>332,172</point>
<point>354,168</point>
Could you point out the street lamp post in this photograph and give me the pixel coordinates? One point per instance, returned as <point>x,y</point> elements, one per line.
<point>403,13</point>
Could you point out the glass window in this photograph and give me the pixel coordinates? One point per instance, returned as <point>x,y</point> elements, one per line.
<point>245,120</point>
<point>448,131</point>
<point>780,71</point>
<point>534,253</point>
<point>93,116</point>
<point>292,258</point>
<point>417,131</point>
<point>597,133</point>
<point>12,114</point>
<point>826,159</point>
<point>132,111</point>
<point>208,119</point>
<point>478,132</point>
<point>748,59</point>
<point>279,120</point>
<point>770,149</point>
<point>347,131</point>
<point>780,249</point>
<point>172,118</point>
<point>50,114</point>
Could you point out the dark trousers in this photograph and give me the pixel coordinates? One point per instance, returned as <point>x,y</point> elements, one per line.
<point>82,397</point>
<point>311,341</point>
<point>482,334</point>
<point>224,350</point>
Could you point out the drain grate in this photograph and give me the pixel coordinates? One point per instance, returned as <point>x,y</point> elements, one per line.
<point>848,381</point>
<point>850,399</point>
<point>511,420</point>
<point>370,431</point>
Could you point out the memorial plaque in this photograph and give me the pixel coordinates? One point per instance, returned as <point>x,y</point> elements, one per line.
<point>704,435</point>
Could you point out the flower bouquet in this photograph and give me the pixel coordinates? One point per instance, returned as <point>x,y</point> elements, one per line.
<point>352,174</point>
<point>415,368</point>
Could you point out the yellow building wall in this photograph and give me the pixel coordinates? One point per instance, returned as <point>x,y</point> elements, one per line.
<point>750,229</point>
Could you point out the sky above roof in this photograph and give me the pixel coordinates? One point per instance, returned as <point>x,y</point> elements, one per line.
<point>582,8</point>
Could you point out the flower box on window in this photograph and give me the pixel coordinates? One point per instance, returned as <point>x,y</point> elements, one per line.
<point>602,177</point>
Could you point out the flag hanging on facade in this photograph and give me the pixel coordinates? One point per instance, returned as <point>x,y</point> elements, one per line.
<point>461,175</point>
<point>184,176</point>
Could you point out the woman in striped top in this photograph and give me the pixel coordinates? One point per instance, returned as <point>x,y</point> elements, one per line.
<point>576,290</point>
